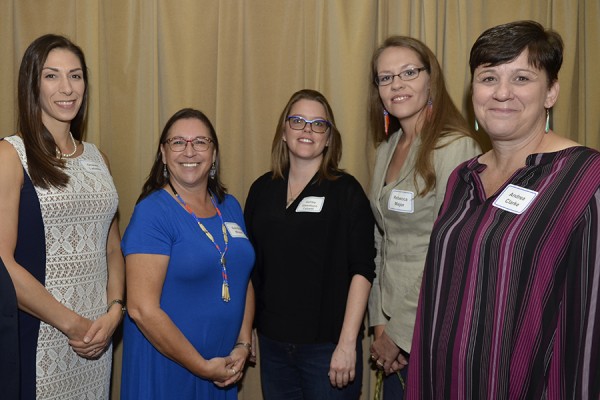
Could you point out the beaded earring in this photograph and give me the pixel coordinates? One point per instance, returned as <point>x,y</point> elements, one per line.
<point>165,171</point>
<point>213,170</point>
<point>429,109</point>
<point>386,121</point>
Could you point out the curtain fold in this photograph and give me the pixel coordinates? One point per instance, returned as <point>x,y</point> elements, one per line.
<point>240,61</point>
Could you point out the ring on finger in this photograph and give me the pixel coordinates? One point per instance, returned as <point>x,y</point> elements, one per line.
<point>234,371</point>
<point>373,357</point>
<point>378,362</point>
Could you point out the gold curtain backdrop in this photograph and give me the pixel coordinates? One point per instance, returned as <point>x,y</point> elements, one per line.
<point>240,60</point>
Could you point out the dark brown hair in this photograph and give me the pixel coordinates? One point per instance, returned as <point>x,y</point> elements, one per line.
<point>156,179</point>
<point>280,159</point>
<point>443,119</point>
<point>45,168</point>
<point>504,43</point>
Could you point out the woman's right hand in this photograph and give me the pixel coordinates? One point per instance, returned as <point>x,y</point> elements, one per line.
<point>221,371</point>
<point>77,339</point>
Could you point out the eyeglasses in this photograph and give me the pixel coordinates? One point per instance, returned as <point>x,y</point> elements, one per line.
<point>199,143</point>
<point>316,125</point>
<point>406,75</point>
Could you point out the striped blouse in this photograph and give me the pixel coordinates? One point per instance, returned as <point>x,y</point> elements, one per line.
<point>509,307</point>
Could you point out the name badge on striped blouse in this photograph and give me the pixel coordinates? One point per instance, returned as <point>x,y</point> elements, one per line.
<point>515,199</point>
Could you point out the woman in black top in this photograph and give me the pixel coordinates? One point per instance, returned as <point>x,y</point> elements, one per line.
<point>312,229</point>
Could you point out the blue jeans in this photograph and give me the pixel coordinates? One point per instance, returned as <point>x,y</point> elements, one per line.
<point>299,371</point>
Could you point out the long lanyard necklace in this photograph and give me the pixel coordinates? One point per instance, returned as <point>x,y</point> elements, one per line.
<point>225,287</point>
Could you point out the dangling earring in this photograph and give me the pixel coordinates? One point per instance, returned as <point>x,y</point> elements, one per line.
<point>429,107</point>
<point>386,121</point>
<point>165,171</point>
<point>213,170</point>
<point>547,120</point>
<point>476,126</point>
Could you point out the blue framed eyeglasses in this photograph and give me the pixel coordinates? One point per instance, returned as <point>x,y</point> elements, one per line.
<point>316,125</point>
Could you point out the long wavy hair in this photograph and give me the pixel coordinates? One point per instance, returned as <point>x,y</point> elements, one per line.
<point>443,119</point>
<point>280,158</point>
<point>157,180</point>
<point>45,168</point>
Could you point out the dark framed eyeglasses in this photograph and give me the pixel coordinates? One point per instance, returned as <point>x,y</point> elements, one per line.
<point>316,125</point>
<point>199,143</point>
<point>406,75</point>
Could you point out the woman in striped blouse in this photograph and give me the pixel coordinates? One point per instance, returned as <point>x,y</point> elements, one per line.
<point>509,302</point>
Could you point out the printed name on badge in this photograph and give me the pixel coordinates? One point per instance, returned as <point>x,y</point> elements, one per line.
<point>92,166</point>
<point>235,231</point>
<point>515,199</point>
<point>311,204</point>
<point>402,201</point>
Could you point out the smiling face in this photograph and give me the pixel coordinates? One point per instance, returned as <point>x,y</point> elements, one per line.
<point>305,144</point>
<point>62,88</point>
<point>510,99</point>
<point>403,99</point>
<point>189,168</point>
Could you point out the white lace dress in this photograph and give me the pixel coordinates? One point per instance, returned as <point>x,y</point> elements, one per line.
<point>76,221</point>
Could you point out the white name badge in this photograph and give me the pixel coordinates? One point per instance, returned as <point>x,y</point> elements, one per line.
<point>401,201</point>
<point>515,199</point>
<point>92,166</point>
<point>311,204</point>
<point>235,230</point>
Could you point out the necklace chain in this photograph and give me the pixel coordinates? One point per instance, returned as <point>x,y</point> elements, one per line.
<point>225,286</point>
<point>291,197</point>
<point>71,154</point>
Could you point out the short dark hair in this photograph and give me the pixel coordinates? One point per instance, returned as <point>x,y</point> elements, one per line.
<point>504,43</point>
<point>156,179</point>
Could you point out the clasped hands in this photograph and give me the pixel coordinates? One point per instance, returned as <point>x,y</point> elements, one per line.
<point>386,355</point>
<point>89,339</point>
<point>234,366</point>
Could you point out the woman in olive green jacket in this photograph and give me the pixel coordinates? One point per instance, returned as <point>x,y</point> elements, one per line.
<point>430,138</point>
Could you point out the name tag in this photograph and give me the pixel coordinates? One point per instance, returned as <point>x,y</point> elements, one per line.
<point>311,204</point>
<point>92,166</point>
<point>402,201</point>
<point>515,199</point>
<point>235,231</point>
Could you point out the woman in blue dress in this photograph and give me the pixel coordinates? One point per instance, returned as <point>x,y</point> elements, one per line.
<point>187,334</point>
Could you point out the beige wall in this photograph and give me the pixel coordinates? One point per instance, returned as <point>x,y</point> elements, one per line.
<point>240,60</point>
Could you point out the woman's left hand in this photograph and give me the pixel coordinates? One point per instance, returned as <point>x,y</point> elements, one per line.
<point>384,353</point>
<point>98,337</point>
<point>342,368</point>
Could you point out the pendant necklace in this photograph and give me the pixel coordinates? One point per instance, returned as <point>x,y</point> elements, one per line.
<point>225,287</point>
<point>291,198</point>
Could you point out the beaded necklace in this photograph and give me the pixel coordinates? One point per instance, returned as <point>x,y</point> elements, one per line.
<point>225,287</point>
<point>71,154</point>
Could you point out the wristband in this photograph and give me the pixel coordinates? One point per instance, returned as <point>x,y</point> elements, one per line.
<point>117,301</point>
<point>248,346</point>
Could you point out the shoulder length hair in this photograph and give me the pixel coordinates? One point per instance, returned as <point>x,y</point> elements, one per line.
<point>280,158</point>
<point>45,168</point>
<point>442,119</point>
<point>157,179</point>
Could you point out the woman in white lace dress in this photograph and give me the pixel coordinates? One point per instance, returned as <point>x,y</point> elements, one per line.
<point>58,233</point>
